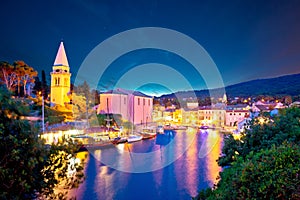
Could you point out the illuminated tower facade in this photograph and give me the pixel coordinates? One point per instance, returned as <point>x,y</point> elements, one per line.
<point>60,78</point>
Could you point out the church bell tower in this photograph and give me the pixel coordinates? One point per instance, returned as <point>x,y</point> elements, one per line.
<point>60,78</point>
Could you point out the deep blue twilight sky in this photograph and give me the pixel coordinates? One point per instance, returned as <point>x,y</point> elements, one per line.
<point>246,39</point>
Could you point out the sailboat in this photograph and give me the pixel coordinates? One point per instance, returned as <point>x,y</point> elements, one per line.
<point>108,120</point>
<point>148,132</point>
<point>133,137</point>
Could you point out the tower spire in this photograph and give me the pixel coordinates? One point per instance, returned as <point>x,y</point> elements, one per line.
<point>61,57</point>
<point>60,78</point>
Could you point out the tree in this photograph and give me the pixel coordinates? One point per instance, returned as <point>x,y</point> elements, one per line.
<point>37,85</point>
<point>28,168</point>
<point>230,149</point>
<point>79,106</point>
<point>284,127</point>
<point>288,100</point>
<point>83,92</point>
<point>264,163</point>
<point>96,97</point>
<point>268,174</point>
<point>7,75</point>
<point>53,116</point>
<point>44,85</point>
<point>25,74</point>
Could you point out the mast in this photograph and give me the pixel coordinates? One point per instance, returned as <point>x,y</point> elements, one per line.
<point>107,117</point>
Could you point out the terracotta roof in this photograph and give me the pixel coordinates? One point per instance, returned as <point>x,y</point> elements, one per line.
<point>237,111</point>
<point>263,107</point>
<point>126,92</point>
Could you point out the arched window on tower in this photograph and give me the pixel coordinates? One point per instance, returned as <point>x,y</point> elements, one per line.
<point>55,81</point>
<point>66,82</point>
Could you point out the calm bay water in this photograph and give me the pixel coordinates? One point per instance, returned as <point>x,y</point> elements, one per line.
<point>195,169</point>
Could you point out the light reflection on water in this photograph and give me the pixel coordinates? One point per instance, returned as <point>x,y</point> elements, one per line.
<point>179,180</point>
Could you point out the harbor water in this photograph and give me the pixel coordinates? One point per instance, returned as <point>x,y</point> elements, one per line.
<point>173,165</point>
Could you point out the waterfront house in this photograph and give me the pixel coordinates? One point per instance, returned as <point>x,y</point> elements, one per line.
<point>233,117</point>
<point>243,125</point>
<point>133,106</point>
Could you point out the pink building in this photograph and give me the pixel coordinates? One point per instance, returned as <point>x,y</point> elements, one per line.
<point>134,106</point>
<point>233,117</point>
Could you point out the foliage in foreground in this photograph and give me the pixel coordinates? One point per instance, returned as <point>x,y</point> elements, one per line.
<point>28,168</point>
<point>285,127</point>
<point>264,163</point>
<point>269,174</point>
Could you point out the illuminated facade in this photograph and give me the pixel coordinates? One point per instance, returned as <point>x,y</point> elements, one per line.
<point>233,117</point>
<point>60,78</point>
<point>210,116</point>
<point>135,107</point>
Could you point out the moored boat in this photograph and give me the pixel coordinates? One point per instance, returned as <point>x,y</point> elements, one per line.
<point>119,140</point>
<point>168,127</point>
<point>160,129</point>
<point>148,132</point>
<point>92,146</point>
<point>203,127</point>
<point>134,138</point>
<point>179,127</point>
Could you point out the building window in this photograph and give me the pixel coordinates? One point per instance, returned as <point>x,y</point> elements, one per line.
<point>138,101</point>
<point>56,81</point>
<point>143,102</point>
<point>124,100</point>
<point>107,106</point>
<point>148,102</point>
<point>66,82</point>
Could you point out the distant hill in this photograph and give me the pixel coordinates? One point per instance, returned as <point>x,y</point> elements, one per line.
<point>283,85</point>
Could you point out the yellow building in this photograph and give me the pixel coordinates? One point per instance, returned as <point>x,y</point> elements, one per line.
<point>60,78</point>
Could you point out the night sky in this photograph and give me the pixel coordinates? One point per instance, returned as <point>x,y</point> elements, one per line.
<point>246,39</point>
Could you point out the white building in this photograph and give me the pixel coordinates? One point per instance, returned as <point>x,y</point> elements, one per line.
<point>233,117</point>
<point>192,105</point>
<point>134,106</point>
<point>243,125</point>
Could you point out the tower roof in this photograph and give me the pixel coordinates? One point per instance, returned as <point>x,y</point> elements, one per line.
<point>61,57</point>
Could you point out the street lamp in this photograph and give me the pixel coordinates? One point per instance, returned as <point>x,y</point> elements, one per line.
<point>43,113</point>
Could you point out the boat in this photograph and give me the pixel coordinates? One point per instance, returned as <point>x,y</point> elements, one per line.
<point>134,138</point>
<point>160,129</point>
<point>119,140</point>
<point>93,146</point>
<point>80,136</point>
<point>180,128</point>
<point>204,127</point>
<point>148,132</point>
<point>168,127</point>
